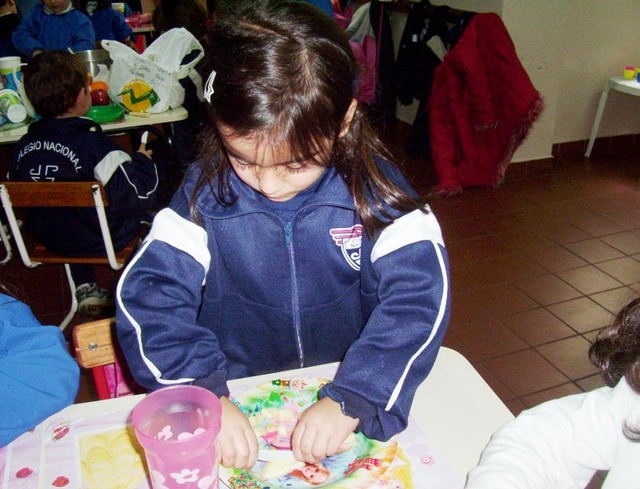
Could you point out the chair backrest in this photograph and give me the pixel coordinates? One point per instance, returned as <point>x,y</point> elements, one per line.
<point>56,194</point>
<point>96,348</point>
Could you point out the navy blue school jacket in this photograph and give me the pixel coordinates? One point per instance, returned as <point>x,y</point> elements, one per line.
<point>240,292</point>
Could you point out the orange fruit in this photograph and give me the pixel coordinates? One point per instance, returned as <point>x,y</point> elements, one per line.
<point>98,85</point>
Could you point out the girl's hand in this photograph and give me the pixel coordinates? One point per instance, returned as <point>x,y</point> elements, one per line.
<point>321,430</point>
<point>237,443</point>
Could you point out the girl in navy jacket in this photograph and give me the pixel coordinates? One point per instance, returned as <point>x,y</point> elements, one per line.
<point>291,243</point>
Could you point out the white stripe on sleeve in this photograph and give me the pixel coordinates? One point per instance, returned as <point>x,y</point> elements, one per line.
<point>176,231</point>
<point>436,326</point>
<point>184,235</point>
<point>105,169</point>
<point>408,229</point>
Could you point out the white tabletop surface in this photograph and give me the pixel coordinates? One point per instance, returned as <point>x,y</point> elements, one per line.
<point>621,84</point>
<point>128,122</point>
<point>455,407</point>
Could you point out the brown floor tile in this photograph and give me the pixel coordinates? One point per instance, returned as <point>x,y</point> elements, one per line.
<point>547,289</point>
<point>537,326</point>
<point>627,242</point>
<point>499,223</point>
<point>480,248</point>
<point>454,231</point>
<point>516,266</point>
<point>563,232</point>
<point>616,299</point>
<point>594,250</point>
<point>502,299</point>
<point>556,258</point>
<point>498,387</point>
<point>523,239</point>
<point>516,406</point>
<point>596,225</point>
<point>570,356</point>
<point>590,383</point>
<point>465,309</point>
<point>525,372</point>
<point>582,314</point>
<point>626,219</point>
<point>548,394</point>
<point>487,339</point>
<point>589,279</point>
<point>473,275</point>
<point>626,270</point>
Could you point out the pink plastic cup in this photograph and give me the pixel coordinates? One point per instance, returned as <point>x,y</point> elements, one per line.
<point>177,427</point>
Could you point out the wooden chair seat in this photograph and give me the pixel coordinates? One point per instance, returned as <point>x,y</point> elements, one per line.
<point>62,194</point>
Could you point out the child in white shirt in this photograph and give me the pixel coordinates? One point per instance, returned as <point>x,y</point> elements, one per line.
<point>563,442</point>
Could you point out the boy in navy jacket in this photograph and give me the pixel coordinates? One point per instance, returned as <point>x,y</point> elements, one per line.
<point>64,146</point>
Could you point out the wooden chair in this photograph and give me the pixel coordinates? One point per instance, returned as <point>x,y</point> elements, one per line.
<point>96,348</point>
<point>61,194</point>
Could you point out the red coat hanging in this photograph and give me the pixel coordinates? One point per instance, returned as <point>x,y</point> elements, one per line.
<point>481,107</point>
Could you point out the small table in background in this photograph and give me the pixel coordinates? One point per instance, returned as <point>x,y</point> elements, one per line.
<point>128,122</point>
<point>619,84</point>
<point>146,33</point>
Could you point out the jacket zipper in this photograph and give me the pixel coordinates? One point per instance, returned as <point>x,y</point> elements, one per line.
<point>294,293</point>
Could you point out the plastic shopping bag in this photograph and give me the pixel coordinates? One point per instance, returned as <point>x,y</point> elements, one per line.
<point>149,82</point>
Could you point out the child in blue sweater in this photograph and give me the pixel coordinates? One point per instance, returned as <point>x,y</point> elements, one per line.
<point>54,25</point>
<point>38,377</point>
<point>108,23</point>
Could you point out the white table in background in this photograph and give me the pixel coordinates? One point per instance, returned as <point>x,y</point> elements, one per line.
<point>619,84</point>
<point>128,122</point>
<point>455,407</point>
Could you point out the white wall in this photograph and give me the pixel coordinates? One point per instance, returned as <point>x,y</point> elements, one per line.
<point>569,48</point>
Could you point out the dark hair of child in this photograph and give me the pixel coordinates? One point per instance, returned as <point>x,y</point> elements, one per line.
<point>286,72</point>
<point>52,81</point>
<point>616,352</point>
<point>189,14</point>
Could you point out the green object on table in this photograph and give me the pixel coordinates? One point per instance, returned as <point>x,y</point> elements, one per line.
<point>105,113</point>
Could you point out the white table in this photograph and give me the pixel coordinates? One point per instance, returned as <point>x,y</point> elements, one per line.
<point>128,122</point>
<point>619,84</point>
<point>455,408</point>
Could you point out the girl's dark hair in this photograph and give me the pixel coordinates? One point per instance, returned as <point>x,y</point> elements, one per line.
<point>285,71</point>
<point>616,352</point>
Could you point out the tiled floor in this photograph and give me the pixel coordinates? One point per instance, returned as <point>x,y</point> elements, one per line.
<point>538,266</point>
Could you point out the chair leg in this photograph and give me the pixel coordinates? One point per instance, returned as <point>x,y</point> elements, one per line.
<point>74,301</point>
<point>7,245</point>
<point>100,381</point>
